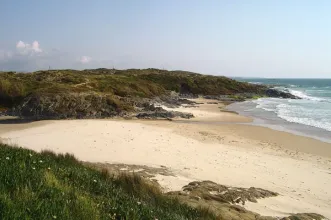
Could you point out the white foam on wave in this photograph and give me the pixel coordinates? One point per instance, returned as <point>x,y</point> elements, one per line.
<point>293,113</point>
<point>298,111</point>
<point>256,83</point>
<point>268,104</point>
<point>303,95</point>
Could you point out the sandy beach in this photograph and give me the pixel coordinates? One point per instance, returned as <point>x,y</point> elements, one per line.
<point>217,146</point>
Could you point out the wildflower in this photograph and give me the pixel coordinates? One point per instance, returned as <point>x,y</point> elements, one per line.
<point>54,216</point>
<point>49,168</point>
<point>95,181</point>
<point>33,168</point>
<point>30,155</point>
<point>7,158</point>
<point>40,161</point>
<point>34,161</point>
<point>139,203</point>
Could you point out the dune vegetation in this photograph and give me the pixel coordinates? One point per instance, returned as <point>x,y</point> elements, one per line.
<point>49,186</point>
<point>117,84</point>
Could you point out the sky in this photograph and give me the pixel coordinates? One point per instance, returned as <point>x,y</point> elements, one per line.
<point>256,38</point>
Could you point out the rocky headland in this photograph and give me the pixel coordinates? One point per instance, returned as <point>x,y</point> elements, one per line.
<point>107,93</point>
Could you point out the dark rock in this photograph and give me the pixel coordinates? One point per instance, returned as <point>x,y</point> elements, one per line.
<point>280,94</point>
<point>151,107</point>
<point>174,102</point>
<point>164,114</point>
<point>221,193</point>
<point>66,106</point>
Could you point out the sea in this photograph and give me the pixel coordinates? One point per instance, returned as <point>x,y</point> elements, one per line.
<point>309,116</point>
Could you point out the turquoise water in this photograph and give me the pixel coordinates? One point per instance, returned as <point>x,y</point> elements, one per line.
<point>313,110</point>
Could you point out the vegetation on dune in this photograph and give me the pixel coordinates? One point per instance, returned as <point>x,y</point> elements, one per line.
<point>131,83</point>
<point>49,186</point>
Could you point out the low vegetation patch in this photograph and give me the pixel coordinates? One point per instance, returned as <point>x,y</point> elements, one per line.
<point>49,186</point>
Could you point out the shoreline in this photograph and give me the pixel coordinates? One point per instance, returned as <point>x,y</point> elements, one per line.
<point>271,120</point>
<point>238,155</point>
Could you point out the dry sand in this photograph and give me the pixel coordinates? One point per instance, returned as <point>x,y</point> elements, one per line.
<point>298,168</point>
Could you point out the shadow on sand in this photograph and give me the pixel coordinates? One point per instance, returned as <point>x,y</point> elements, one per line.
<point>15,121</point>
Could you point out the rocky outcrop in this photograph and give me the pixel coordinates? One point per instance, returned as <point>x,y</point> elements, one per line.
<point>274,93</point>
<point>172,102</point>
<point>90,106</point>
<point>226,202</point>
<point>213,191</point>
<point>163,114</point>
<point>73,105</point>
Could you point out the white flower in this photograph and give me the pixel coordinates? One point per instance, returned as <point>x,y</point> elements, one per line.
<point>40,161</point>
<point>7,158</point>
<point>48,168</point>
<point>33,168</point>
<point>139,203</point>
<point>95,181</point>
<point>30,155</point>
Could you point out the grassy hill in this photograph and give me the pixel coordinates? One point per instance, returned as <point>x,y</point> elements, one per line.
<point>131,83</point>
<point>48,186</point>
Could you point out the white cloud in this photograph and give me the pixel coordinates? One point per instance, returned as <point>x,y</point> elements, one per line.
<point>85,59</point>
<point>20,45</point>
<point>36,47</point>
<point>26,48</point>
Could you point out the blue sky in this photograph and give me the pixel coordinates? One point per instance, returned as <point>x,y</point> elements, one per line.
<point>275,38</point>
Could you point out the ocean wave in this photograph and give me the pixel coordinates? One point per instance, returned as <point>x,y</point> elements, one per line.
<point>256,83</point>
<point>268,104</point>
<point>307,121</point>
<point>298,111</point>
<point>303,95</point>
<point>303,115</point>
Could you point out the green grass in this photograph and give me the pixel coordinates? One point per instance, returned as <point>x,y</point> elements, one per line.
<point>131,83</point>
<point>49,186</point>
